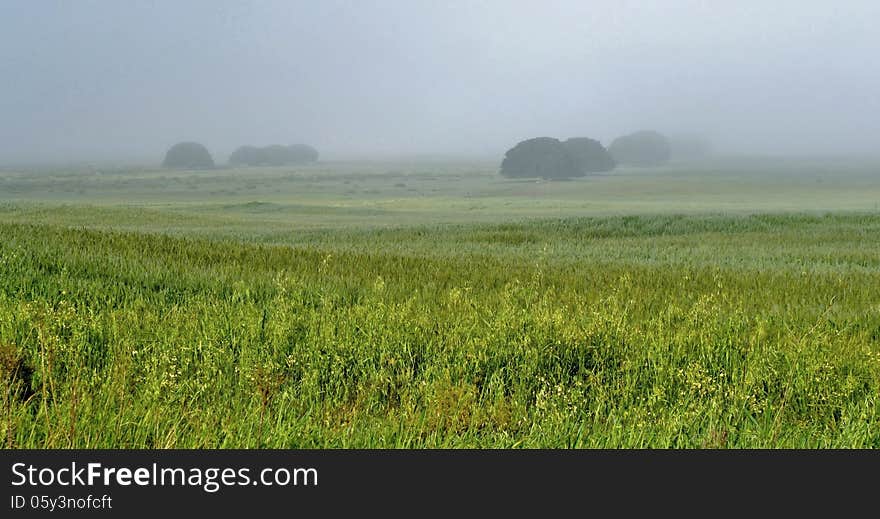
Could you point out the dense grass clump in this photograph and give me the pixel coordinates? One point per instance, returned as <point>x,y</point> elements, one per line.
<point>664,331</point>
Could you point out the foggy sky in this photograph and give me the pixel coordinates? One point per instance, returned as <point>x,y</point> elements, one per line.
<point>124,80</point>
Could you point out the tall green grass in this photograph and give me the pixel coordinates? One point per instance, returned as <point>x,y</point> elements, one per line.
<point>667,331</point>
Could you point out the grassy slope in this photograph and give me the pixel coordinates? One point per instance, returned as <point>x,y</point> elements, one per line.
<point>224,323</point>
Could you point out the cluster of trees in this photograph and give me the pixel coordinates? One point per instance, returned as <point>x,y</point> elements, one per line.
<point>546,157</point>
<point>274,155</point>
<point>193,155</point>
<point>549,158</point>
<point>541,157</point>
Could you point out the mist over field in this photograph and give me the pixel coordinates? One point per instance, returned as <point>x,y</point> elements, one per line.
<point>414,224</point>
<point>103,80</point>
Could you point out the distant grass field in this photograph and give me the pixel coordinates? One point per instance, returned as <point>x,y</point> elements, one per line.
<point>727,304</point>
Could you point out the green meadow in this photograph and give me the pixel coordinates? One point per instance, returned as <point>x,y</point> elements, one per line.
<point>731,303</point>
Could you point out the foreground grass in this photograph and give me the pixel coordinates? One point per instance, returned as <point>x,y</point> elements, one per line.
<point>673,331</point>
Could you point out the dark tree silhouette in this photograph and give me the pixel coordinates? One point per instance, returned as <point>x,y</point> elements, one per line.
<point>191,155</point>
<point>644,148</point>
<point>589,155</point>
<point>542,157</point>
<point>245,155</point>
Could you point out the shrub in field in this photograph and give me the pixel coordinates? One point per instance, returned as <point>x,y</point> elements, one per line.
<point>589,155</point>
<point>541,157</point>
<point>644,148</point>
<point>191,155</point>
<point>274,155</point>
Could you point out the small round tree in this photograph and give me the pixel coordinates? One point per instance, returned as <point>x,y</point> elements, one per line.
<point>644,148</point>
<point>542,157</point>
<point>589,155</point>
<point>245,155</point>
<point>188,155</point>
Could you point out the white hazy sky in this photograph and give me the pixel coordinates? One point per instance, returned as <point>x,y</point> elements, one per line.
<point>124,80</point>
